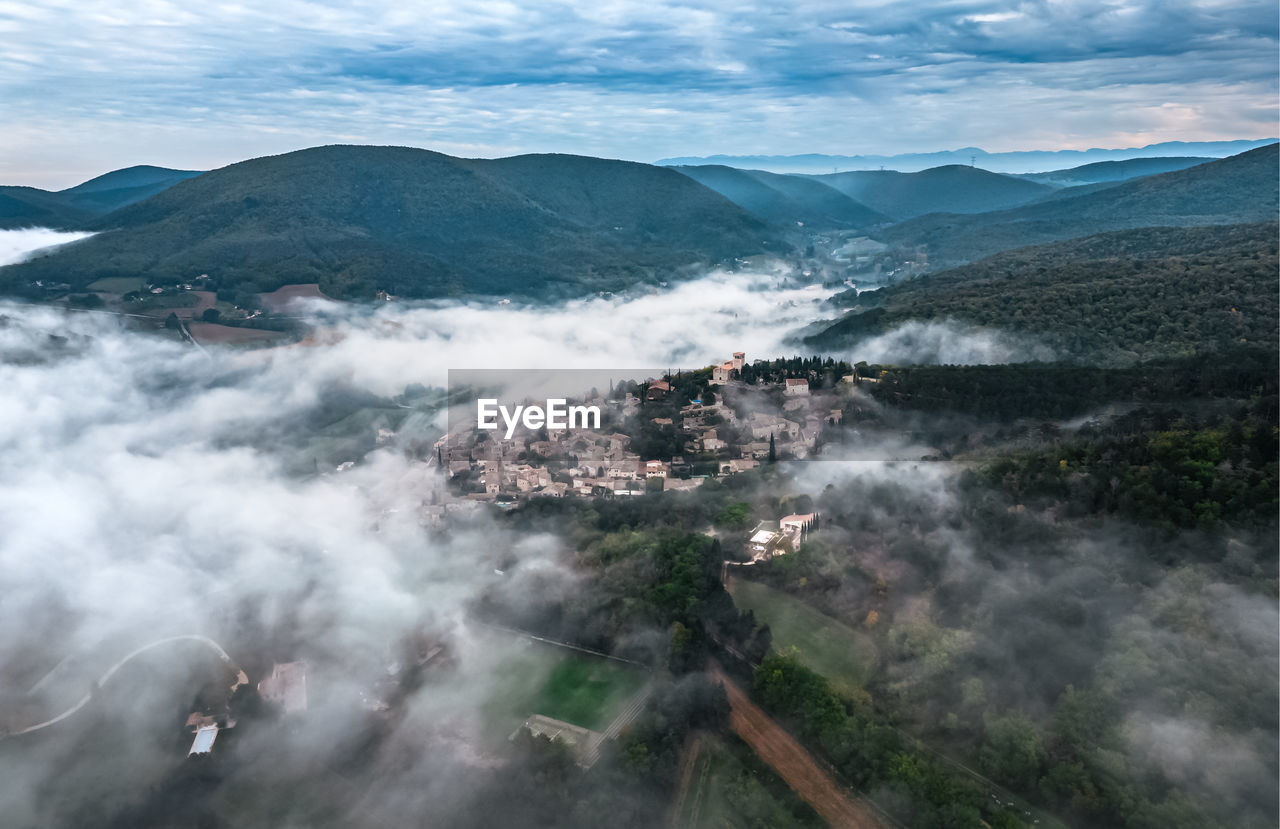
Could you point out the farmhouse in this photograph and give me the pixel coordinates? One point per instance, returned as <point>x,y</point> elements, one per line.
<point>797,387</point>
<point>794,528</point>
<point>658,390</point>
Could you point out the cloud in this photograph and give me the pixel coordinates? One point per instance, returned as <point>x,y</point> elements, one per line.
<point>18,245</point>
<point>147,492</point>
<point>200,87</point>
<point>949,342</point>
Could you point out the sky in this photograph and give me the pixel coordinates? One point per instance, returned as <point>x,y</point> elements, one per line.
<point>89,86</point>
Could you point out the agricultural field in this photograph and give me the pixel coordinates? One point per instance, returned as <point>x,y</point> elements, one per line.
<point>844,655</point>
<point>211,333</point>
<point>280,300</point>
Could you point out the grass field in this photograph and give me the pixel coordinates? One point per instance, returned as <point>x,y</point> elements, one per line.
<point>844,655</point>
<point>586,691</point>
<point>534,678</point>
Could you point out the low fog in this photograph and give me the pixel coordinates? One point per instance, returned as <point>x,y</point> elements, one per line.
<point>19,245</point>
<point>139,502</point>
<point>151,489</point>
<point>949,342</point>
<point>994,610</point>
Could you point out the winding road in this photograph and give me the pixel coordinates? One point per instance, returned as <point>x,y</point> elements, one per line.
<point>241,677</point>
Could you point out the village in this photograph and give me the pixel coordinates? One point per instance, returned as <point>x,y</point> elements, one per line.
<point>666,434</point>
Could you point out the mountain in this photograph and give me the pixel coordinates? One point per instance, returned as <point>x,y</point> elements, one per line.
<point>77,206</point>
<point>1115,297</point>
<point>1232,190</point>
<point>416,223</point>
<point>32,207</point>
<point>785,200</point>
<point>1028,161</point>
<point>951,189</point>
<point>1108,171</point>
<point>120,188</point>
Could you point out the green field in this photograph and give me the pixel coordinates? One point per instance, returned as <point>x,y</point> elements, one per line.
<point>587,691</point>
<point>534,678</point>
<point>844,655</point>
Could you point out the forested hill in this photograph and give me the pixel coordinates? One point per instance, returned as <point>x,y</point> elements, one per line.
<point>1239,189</point>
<point>1116,297</point>
<point>1107,171</point>
<point>77,206</point>
<point>951,189</point>
<point>415,223</point>
<point>786,200</point>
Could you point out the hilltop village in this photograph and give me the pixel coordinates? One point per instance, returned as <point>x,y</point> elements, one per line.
<point>665,434</point>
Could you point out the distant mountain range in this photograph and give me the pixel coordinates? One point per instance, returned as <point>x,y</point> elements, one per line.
<point>786,200</point>
<point>1232,190</point>
<point>416,223</point>
<point>360,219</point>
<point>950,189</point>
<point>1026,161</point>
<point>1107,171</point>
<point>79,205</point>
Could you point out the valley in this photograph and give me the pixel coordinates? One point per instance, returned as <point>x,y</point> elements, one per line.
<point>953,502</point>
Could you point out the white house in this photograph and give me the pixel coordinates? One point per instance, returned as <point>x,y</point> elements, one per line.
<point>793,527</point>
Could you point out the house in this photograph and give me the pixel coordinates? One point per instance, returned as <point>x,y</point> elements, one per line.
<point>203,742</point>
<point>797,387</point>
<point>655,469</point>
<point>794,527</point>
<point>622,471</point>
<point>762,544</point>
<point>582,743</point>
<point>658,390</point>
<point>724,372</point>
<point>764,425</point>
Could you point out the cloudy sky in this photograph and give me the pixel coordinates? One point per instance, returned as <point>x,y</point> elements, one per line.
<point>88,86</point>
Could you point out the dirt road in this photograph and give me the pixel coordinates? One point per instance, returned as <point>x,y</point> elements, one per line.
<point>684,781</point>
<point>793,763</point>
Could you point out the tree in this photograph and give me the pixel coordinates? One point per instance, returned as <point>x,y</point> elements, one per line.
<point>211,315</point>
<point>1013,751</point>
<point>773,451</point>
